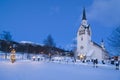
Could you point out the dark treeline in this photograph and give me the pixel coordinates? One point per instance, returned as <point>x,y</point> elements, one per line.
<point>7,46</point>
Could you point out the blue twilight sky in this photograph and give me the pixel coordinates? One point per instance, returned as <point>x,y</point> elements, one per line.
<point>34,20</point>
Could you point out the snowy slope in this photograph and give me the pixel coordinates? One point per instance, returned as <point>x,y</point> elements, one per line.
<point>29,70</point>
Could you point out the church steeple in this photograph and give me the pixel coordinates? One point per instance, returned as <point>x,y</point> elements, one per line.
<point>102,44</point>
<point>84,15</point>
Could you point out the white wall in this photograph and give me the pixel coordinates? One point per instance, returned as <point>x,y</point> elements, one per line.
<point>97,54</point>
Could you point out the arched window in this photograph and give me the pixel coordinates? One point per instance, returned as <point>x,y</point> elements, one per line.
<point>81,38</point>
<point>81,47</point>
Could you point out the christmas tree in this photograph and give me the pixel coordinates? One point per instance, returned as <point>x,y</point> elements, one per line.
<point>12,56</point>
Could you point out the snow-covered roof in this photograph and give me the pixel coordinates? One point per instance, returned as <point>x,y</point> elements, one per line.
<point>94,43</point>
<point>30,42</point>
<point>27,42</point>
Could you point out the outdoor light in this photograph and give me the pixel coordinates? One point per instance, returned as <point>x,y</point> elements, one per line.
<point>33,58</point>
<point>81,56</point>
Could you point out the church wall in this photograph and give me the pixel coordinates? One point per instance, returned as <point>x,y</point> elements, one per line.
<point>97,54</point>
<point>82,47</point>
<point>82,41</point>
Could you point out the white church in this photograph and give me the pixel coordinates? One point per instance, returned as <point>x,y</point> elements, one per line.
<point>86,48</point>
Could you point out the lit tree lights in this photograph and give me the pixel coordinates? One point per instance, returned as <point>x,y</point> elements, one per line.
<point>12,56</point>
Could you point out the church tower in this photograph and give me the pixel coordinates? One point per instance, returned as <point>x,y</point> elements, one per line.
<point>102,44</point>
<point>83,37</point>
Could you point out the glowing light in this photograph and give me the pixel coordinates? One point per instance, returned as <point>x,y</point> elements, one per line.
<point>81,56</point>
<point>12,56</point>
<point>33,58</point>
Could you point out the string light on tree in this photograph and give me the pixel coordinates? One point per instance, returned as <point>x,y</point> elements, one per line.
<point>12,56</point>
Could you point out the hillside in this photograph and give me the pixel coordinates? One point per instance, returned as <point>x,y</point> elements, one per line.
<point>27,47</point>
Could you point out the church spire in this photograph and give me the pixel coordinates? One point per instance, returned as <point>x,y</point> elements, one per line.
<point>84,15</point>
<point>102,44</point>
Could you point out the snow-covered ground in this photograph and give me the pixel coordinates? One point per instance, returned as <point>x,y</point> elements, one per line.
<point>33,70</point>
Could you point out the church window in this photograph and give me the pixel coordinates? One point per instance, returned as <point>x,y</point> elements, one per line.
<point>81,47</point>
<point>81,32</point>
<point>81,38</point>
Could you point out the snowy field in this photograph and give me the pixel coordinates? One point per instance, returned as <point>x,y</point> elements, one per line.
<point>33,70</point>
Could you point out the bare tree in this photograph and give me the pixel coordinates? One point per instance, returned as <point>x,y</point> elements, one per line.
<point>6,35</point>
<point>114,42</point>
<point>49,41</point>
<point>74,47</point>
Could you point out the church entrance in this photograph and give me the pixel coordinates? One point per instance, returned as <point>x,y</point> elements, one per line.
<point>82,57</point>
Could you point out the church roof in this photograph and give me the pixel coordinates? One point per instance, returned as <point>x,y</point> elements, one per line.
<point>94,43</point>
